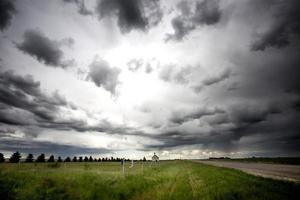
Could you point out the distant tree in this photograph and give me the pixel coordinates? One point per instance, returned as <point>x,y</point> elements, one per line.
<point>74,159</point>
<point>99,160</point>
<point>91,159</point>
<point>51,159</point>
<point>40,158</point>
<point>68,159</point>
<point>29,158</point>
<point>15,157</point>
<point>144,159</point>
<point>80,159</point>
<point>95,159</point>
<point>86,159</point>
<point>103,159</point>
<point>59,159</point>
<point>2,159</point>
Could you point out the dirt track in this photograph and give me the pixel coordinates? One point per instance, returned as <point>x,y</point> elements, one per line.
<point>276,171</point>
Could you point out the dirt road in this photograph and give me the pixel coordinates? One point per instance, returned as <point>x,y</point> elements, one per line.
<point>276,171</point>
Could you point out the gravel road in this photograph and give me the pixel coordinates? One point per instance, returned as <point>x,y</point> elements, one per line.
<point>275,171</point>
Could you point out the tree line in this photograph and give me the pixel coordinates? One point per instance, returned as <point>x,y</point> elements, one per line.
<point>16,157</point>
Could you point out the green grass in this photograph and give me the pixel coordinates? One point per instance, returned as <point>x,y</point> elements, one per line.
<point>169,180</point>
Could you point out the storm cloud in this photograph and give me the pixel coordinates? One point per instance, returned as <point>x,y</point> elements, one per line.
<point>82,9</point>
<point>104,75</point>
<point>225,84</point>
<point>131,14</point>
<point>7,10</point>
<point>285,24</point>
<point>38,147</point>
<point>206,12</point>
<point>23,101</point>
<point>45,50</point>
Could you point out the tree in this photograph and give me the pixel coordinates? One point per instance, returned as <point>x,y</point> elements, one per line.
<point>2,159</point>
<point>74,159</point>
<point>80,159</point>
<point>86,159</point>
<point>15,157</point>
<point>51,158</point>
<point>40,158</point>
<point>91,159</point>
<point>59,159</point>
<point>144,159</point>
<point>68,159</point>
<point>29,158</point>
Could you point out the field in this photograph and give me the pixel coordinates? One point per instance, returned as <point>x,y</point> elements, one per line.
<point>168,180</point>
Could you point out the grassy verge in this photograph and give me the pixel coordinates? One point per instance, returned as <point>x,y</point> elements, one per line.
<point>169,180</point>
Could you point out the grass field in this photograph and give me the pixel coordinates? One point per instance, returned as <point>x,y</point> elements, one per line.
<point>168,180</point>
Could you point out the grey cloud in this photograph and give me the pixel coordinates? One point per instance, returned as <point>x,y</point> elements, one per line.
<point>45,50</point>
<point>135,64</point>
<point>104,75</point>
<point>148,68</point>
<point>216,79</point>
<point>23,102</point>
<point>180,117</point>
<point>171,73</point>
<point>166,73</point>
<point>229,125</point>
<point>82,9</point>
<point>186,76</point>
<point>7,10</point>
<point>286,24</point>
<point>206,12</point>
<point>38,147</point>
<point>212,80</point>
<point>181,28</point>
<point>131,14</point>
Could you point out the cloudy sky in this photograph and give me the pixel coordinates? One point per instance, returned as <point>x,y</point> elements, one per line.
<point>182,78</point>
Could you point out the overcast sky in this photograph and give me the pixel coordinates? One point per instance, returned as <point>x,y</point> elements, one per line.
<point>182,78</point>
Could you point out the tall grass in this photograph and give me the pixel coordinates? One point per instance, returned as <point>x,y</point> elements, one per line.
<point>168,180</point>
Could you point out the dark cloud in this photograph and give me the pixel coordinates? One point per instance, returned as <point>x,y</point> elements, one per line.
<point>285,25</point>
<point>206,12</point>
<point>45,50</point>
<point>228,126</point>
<point>104,75</point>
<point>180,117</point>
<point>7,10</point>
<point>23,102</point>
<point>216,79</point>
<point>82,9</point>
<point>131,14</point>
<point>38,147</point>
<point>181,28</point>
